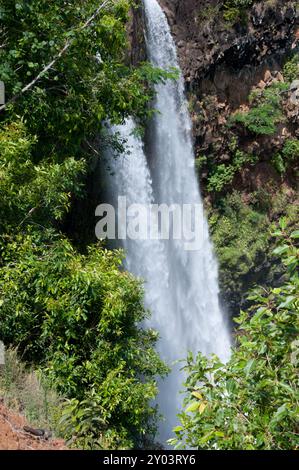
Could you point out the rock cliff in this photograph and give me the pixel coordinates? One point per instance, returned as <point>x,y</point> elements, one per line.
<point>242,83</point>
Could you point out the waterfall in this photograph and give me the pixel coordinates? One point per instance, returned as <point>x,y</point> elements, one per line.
<point>181,286</point>
<point>129,176</point>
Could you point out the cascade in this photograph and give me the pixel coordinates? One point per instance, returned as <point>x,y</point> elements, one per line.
<point>181,285</point>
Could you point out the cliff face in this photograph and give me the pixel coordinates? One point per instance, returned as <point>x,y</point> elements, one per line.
<point>242,81</point>
<point>222,61</point>
<point>216,55</point>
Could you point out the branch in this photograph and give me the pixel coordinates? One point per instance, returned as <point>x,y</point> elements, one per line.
<point>3,33</point>
<point>66,46</point>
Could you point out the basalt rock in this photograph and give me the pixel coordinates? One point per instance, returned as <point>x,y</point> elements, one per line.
<point>217,56</point>
<point>222,62</point>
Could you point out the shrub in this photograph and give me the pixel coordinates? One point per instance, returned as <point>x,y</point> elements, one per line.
<point>264,117</point>
<point>291,68</point>
<point>279,163</point>
<point>290,150</point>
<point>27,391</point>
<point>235,10</point>
<point>252,401</point>
<point>33,192</point>
<point>289,153</point>
<point>223,174</point>
<point>208,13</point>
<point>56,305</point>
<point>240,234</point>
<point>79,316</point>
<point>260,120</point>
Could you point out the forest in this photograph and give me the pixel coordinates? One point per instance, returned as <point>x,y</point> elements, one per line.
<point>82,357</point>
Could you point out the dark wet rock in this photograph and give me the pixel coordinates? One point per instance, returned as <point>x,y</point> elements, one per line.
<point>222,64</point>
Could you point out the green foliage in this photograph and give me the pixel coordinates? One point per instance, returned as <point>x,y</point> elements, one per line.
<point>33,192</point>
<point>252,402</point>
<point>87,84</point>
<point>240,233</point>
<point>240,229</point>
<point>290,149</point>
<point>279,164</point>
<point>239,3</point>
<point>264,117</point>
<point>289,153</point>
<point>235,10</point>
<point>77,316</point>
<point>223,174</point>
<point>208,13</point>
<point>200,161</point>
<point>260,120</point>
<point>291,68</point>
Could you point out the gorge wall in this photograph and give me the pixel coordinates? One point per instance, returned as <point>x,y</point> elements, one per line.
<point>241,74</point>
<point>210,45</point>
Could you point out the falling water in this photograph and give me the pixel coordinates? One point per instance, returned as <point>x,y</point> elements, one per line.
<point>129,176</point>
<point>181,287</point>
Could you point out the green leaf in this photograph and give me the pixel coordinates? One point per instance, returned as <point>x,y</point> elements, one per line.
<point>295,234</point>
<point>192,407</point>
<point>249,367</point>
<point>283,223</point>
<point>281,250</point>
<point>178,429</point>
<point>288,302</point>
<point>279,414</point>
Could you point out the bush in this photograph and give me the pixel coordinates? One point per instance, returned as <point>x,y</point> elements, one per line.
<point>260,120</point>
<point>240,235</point>
<point>220,177</point>
<point>239,3</point>
<point>279,164</point>
<point>78,317</point>
<point>32,192</point>
<point>235,10</point>
<point>263,118</point>
<point>290,149</point>
<point>291,68</point>
<point>252,401</point>
<point>223,175</point>
<point>289,153</point>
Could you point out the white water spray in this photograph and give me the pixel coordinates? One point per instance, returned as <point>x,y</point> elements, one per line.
<point>181,287</point>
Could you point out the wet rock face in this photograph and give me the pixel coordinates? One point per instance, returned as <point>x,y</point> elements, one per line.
<point>223,62</point>
<point>220,57</point>
<point>292,106</point>
<point>136,25</point>
<point>213,50</point>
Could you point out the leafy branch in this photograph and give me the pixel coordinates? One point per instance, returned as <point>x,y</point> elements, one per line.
<point>62,51</point>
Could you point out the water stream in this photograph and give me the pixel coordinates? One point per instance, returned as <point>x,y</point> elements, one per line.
<point>181,286</point>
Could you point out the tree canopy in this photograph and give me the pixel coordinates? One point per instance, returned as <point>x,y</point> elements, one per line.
<point>75,314</point>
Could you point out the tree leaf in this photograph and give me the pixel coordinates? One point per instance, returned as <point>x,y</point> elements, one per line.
<point>192,407</point>
<point>288,302</point>
<point>202,408</point>
<point>295,234</point>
